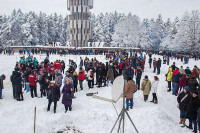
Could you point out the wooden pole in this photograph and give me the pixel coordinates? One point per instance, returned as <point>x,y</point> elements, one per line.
<point>35,120</point>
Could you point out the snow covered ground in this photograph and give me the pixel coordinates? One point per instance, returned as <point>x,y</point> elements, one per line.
<point>88,115</point>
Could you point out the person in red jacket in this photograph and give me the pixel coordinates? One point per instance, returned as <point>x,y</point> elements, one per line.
<point>51,71</point>
<point>33,83</point>
<point>182,83</point>
<point>81,77</point>
<point>126,62</point>
<point>57,65</point>
<point>143,64</point>
<point>195,72</point>
<point>46,67</point>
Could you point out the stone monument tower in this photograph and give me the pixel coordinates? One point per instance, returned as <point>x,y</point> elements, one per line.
<point>80,26</point>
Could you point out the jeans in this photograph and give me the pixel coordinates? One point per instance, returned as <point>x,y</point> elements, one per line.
<point>109,81</point>
<point>174,86</point>
<point>195,124</point>
<point>27,87</point>
<point>127,103</point>
<point>0,92</point>
<point>154,70</point>
<point>59,85</point>
<point>183,114</point>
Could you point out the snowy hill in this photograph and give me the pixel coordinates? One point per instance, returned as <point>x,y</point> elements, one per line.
<point>88,115</point>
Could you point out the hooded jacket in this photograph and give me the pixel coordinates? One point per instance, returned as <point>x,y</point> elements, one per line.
<point>154,86</point>
<point>130,88</point>
<point>169,74</point>
<point>58,77</point>
<point>176,76</point>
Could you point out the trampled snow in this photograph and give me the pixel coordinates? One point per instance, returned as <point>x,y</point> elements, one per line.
<point>88,115</point>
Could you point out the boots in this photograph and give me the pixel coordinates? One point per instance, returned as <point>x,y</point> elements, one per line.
<point>156,102</point>
<point>181,121</point>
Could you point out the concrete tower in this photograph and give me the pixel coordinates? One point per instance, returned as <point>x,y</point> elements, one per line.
<point>80,25</point>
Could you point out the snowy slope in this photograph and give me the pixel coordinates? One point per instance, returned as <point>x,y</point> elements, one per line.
<point>89,115</point>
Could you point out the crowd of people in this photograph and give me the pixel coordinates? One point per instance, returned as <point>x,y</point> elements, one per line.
<point>184,83</point>
<point>55,78</point>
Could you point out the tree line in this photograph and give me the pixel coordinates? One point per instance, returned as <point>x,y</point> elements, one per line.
<point>116,29</point>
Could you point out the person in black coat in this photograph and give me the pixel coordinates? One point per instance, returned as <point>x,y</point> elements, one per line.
<point>44,83</point>
<point>26,74</point>
<point>130,72</point>
<point>138,77</point>
<point>192,109</point>
<point>158,66</point>
<point>75,81</point>
<point>46,61</point>
<point>12,79</point>
<point>150,62</point>
<point>62,64</point>
<point>188,71</point>
<point>173,66</point>
<point>104,73</point>
<point>193,84</point>
<point>53,95</point>
<point>18,86</point>
<point>183,99</point>
<point>31,65</point>
<point>100,76</point>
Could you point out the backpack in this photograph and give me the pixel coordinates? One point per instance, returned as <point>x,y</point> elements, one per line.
<point>92,74</point>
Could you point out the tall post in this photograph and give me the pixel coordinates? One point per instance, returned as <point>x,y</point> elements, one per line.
<point>35,120</point>
<point>124,109</point>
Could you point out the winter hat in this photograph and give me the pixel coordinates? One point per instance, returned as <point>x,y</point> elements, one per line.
<point>146,77</point>
<point>186,88</point>
<point>196,92</point>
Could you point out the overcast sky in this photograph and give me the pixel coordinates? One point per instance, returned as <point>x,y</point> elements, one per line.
<point>142,8</point>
